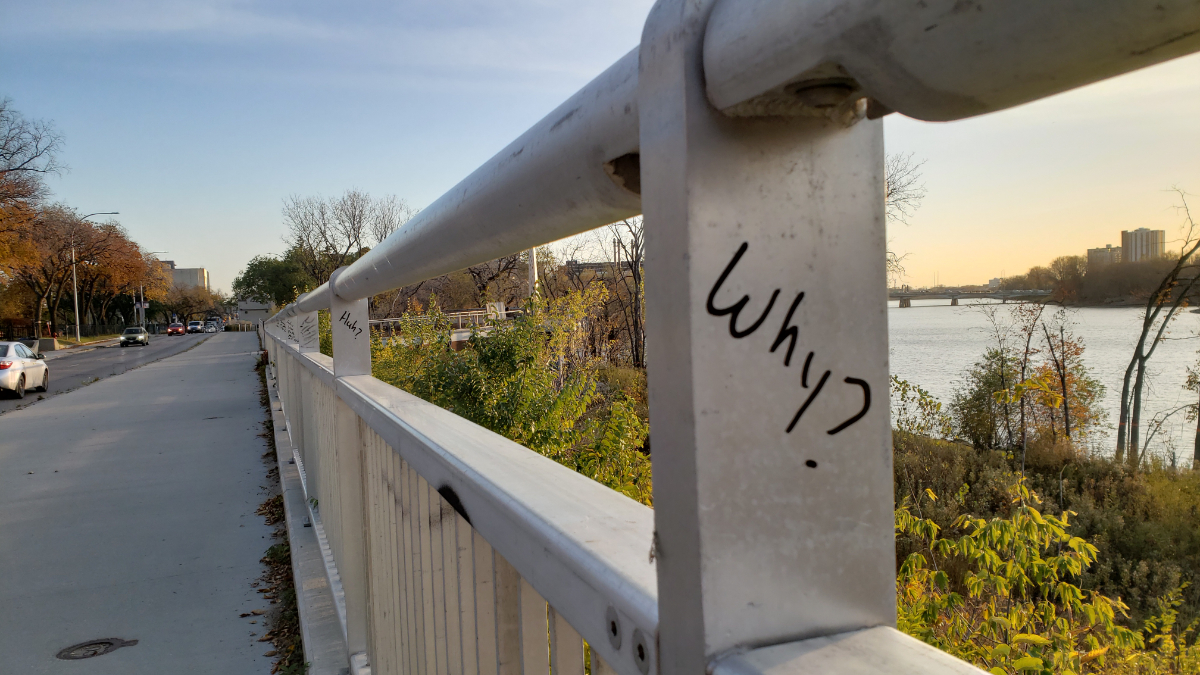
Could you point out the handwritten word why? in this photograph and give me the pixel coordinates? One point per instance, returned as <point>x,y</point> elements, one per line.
<point>351,326</point>
<point>787,333</point>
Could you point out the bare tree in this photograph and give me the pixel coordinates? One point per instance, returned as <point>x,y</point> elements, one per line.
<point>388,215</point>
<point>28,150</point>
<point>629,253</point>
<point>902,187</point>
<point>902,195</point>
<point>497,279</point>
<point>325,234</point>
<point>1162,306</point>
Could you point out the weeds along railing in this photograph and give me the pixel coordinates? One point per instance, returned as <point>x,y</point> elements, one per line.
<point>748,133</point>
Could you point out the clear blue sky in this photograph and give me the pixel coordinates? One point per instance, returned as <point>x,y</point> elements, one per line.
<point>195,119</point>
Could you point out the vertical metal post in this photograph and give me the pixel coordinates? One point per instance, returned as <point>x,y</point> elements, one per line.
<point>351,332</point>
<point>351,356</point>
<point>767,341</point>
<point>308,335</point>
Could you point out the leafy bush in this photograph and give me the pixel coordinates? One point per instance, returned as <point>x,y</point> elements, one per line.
<point>530,380</point>
<point>1005,593</point>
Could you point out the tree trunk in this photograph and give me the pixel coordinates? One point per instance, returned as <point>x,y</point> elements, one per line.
<point>1134,451</point>
<point>1196,447</point>
<point>1062,377</point>
<point>1123,424</point>
<point>38,314</point>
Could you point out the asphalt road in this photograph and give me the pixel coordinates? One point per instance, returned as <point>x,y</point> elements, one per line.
<point>73,370</point>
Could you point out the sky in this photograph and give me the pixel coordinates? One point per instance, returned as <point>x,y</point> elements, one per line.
<point>195,119</point>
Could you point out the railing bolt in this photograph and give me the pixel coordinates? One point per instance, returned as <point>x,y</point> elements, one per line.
<point>641,652</point>
<point>614,627</point>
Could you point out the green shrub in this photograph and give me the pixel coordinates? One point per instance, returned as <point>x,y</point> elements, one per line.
<point>530,380</point>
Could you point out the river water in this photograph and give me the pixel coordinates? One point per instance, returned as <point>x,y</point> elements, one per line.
<point>932,344</point>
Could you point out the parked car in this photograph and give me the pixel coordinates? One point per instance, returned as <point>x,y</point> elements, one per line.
<point>135,335</point>
<point>195,327</point>
<point>210,328</point>
<point>20,368</point>
<point>176,329</point>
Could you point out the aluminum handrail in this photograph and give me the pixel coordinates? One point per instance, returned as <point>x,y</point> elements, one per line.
<point>553,182</point>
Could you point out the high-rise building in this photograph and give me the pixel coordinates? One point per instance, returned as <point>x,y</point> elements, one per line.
<point>190,276</point>
<point>1099,257</point>
<point>1143,244</point>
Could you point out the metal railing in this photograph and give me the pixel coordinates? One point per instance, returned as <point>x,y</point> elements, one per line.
<point>748,133</point>
<point>457,320</point>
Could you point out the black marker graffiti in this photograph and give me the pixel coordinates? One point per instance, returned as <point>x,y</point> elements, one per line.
<point>808,401</point>
<point>736,308</point>
<point>351,326</point>
<point>787,333</point>
<point>866,405</point>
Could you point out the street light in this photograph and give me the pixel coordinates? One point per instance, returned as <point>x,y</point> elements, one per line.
<point>74,276</point>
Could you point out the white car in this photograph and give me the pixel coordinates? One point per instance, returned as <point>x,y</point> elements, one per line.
<point>21,369</point>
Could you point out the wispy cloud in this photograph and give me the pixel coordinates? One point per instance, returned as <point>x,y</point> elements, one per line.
<point>467,40</point>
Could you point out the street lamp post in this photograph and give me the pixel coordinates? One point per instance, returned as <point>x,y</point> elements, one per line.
<point>74,276</point>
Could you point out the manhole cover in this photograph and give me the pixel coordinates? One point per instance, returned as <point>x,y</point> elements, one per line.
<point>86,650</point>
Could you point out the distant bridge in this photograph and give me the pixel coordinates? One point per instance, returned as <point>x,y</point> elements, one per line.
<point>906,297</point>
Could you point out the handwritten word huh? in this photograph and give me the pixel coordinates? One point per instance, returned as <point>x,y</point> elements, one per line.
<point>788,334</point>
<point>352,326</point>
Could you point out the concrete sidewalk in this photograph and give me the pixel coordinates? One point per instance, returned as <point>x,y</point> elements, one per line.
<point>127,511</point>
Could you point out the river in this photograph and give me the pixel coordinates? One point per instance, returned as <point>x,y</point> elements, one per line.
<point>932,344</point>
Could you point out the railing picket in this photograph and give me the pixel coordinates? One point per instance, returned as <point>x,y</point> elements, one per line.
<point>417,585</point>
<point>409,658</point>
<point>600,666</point>
<point>395,555</point>
<point>454,642</point>
<point>374,567</point>
<point>437,558</point>
<point>464,543</point>
<point>486,629</point>
<point>535,654</point>
<point>566,647</point>
<point>389,560</point>
<point>427,608</point>
<point>508,616</point>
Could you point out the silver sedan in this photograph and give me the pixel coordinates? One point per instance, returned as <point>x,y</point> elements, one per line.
<point>21,369</point>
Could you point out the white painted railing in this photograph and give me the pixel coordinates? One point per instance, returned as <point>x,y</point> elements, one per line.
<point>747,131</point>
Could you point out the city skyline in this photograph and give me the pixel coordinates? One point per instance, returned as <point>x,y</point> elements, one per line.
<point>196,120</point>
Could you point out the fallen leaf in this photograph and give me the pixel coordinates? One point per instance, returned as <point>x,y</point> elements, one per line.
<point>246,614</point>
<point>271,653</point>
<point>256,612</point>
